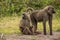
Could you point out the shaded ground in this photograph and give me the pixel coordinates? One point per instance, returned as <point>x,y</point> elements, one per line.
<point>55,36</point>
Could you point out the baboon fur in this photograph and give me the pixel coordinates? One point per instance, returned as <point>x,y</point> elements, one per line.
<point>42,16</point>
<point>25,24</point>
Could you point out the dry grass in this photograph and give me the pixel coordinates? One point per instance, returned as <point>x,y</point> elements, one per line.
<point>9,25</point>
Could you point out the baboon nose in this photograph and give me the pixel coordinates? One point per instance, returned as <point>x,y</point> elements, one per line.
<point>54,12</point>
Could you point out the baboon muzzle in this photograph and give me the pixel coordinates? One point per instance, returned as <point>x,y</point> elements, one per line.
<point>53,12</point>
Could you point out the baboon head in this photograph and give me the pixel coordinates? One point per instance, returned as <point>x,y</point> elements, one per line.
<point>24,16</point>
<point>50,9</point>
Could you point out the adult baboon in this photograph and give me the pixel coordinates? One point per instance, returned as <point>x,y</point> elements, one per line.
<point>41,16</point>
<point>25,24</point>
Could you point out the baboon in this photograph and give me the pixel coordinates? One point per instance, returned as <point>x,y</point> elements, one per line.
<point>25,24</point>
<point>42,16</point>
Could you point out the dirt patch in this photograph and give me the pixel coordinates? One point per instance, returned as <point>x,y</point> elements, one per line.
<point>55,36</point>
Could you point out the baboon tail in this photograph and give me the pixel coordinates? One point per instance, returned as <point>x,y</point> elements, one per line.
<point>29,9</point>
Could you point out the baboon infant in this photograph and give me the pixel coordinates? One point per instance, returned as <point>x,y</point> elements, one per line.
<point>25,24</point>
<point>41,16</point>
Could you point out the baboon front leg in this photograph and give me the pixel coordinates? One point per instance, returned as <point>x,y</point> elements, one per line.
<point>33,24</point>
<point>50,24</point>
<point>28,31</point>
<point>44,26</point>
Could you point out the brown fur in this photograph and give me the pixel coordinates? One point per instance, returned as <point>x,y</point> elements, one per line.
<point>25,24</point>
<point>42,16</point>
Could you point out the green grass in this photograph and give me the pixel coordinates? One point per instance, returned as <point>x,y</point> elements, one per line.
<point>9,25</point>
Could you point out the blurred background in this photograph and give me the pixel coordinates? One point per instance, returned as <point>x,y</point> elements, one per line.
<point>11,10</point>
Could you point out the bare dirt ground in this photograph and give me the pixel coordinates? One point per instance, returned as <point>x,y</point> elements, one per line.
<point>55,36</point>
